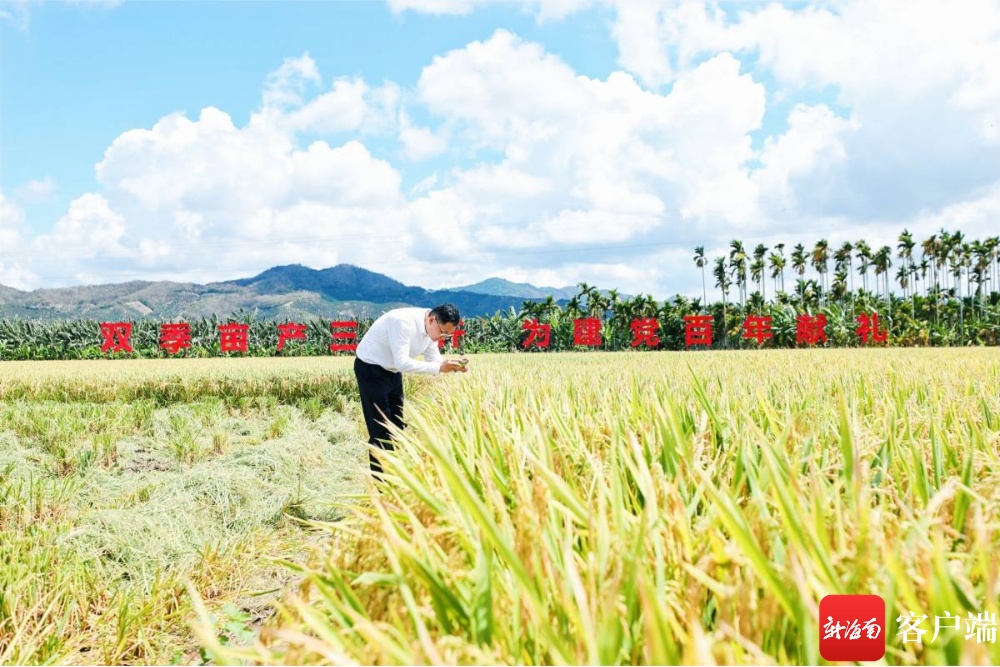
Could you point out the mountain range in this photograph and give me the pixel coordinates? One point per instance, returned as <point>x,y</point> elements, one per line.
<point>294,292</point>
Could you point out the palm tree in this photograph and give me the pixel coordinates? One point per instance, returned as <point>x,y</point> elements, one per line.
<point>777,261</point>
<point>839,287</point>
<point>820,256</point>
<point>646,306</point>
<point>914,279</point>
<point>757,273</point>
<point>845,256</point>
<point>993,247</point>
<point>928,248</point>
<point>799,260</point>
<point>597,304</point>
<point>700,261</point>
<point>883,262</point>
<point>573,309</point>
<point>799,263</point>
<point>957,259</point>
<point>777,264</point>
<point>932,249</point>
<point>549,306</point>
<point>903,277</point>
<point>905,248</point>
<point>758,257</point>
<point>865,258</point>
<point>589,294</point>
<point>842,264</point>
<point>613,304</point>
<point>955,265</point>
<point>943,251</point>
<point>530,309</point>
<point>722,282</point>
<point>980,271</point>
<point>808,293</point>
<point>738,264</point>
<point>967,252</point>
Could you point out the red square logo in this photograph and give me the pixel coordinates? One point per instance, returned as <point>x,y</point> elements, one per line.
<point>852,628</point>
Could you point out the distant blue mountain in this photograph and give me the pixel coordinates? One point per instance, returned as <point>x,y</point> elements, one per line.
<point>346,282</point>
<point>501,287</point>
<point>282,292</point>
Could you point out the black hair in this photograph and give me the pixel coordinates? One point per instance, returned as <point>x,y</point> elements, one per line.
<point>447,313</point>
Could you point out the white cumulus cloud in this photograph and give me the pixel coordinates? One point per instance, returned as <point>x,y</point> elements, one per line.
<point>14,260</point>
<point>35,191</point>
<point>205,199</point>
<point>592,161</point>
<point>90,230</point>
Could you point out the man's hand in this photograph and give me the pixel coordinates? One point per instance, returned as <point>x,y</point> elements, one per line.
<point>455,365</point>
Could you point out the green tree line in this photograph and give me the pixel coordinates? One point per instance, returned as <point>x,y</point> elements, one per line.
<point>946,296</point>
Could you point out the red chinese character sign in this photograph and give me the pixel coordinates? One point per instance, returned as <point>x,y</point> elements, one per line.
<point>868,330</point>
<point>115,336</point>
<point>644,332</point>
<point>698,330</point>
<point>810,330</point>
<point>757,328</point>
<point>234,337</point>
<point>344,334</point>
<point>587,331</point>
<point>455,336</point>
<point>175,336</point>
<point>290,331</point>
<point>539,334</point>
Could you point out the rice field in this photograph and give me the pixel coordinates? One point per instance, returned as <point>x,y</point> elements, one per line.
<point>124,483</point>
<point>543,508</point>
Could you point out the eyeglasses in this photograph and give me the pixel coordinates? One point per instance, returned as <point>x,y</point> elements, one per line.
<point>445,329</point>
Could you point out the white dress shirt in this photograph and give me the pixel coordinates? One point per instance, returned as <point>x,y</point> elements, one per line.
<point>396,338</point>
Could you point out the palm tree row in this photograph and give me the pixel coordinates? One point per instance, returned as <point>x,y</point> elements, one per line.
<point>949,267</point>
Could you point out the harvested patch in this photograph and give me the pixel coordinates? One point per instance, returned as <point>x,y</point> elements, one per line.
<point>109,509</point>
<point>161,517</point>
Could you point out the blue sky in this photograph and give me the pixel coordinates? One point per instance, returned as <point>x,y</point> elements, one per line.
<point>78,75</point>
<point>444,142</point>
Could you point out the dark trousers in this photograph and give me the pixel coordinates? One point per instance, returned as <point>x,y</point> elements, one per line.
<point>381,403</point>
